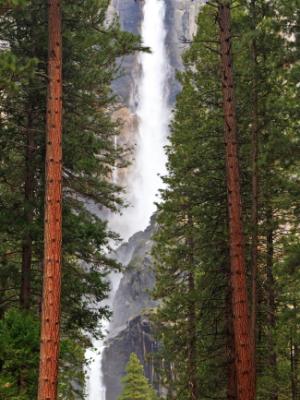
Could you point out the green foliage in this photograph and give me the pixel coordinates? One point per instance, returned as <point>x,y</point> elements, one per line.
<point>19,352</point>
<point>136,386</point>
<point>7,4</point>
<point>71,374</point>
<point>12,74</point>
<point>19,359</point>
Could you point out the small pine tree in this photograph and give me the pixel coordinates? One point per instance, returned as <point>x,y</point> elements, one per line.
<point>136,385</point>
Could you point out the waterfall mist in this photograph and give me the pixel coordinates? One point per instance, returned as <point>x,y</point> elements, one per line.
<point>152,110</point>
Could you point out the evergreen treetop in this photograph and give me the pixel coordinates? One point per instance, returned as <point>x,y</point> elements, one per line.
<point>136,385</point>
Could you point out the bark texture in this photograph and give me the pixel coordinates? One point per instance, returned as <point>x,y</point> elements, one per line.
<point>50,324</point>
<point>240,306</point>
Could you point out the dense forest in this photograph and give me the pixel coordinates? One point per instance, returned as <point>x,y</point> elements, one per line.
<point>226,245</point>
<point>90,51</point>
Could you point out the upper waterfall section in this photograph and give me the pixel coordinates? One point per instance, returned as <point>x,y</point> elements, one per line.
<point>180,25</point>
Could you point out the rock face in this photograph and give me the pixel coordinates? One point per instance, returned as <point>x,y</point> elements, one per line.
<point>133,296</point>
<point>137,338</point>
<point>129,14</point>
<point>181,25</point>
<point>130,329</point>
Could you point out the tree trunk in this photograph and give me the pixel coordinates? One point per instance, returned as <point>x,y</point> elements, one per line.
<point>271,305</point>
<point>240,307</point>
<point>50,324</point>
<point>28,215</point>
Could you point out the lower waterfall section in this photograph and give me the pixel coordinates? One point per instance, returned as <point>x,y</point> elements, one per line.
<point>143,182</point>
<point>95,388</point>
<point>94,385</point>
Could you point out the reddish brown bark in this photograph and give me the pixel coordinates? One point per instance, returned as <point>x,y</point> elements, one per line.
<point>240,307</point>
<point>50,324</point>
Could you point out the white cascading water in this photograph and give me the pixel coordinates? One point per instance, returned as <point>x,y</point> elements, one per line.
<point>94,388</point>
<point>153,115</point>
<point>144,181</point>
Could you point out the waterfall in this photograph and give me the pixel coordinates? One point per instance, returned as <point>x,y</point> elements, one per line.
<point>95,389</point>
<point>153,116</point>
<point>144,182</point>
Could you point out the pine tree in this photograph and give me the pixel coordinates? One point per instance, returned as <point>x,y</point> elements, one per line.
<point>240,305</point>
<point>136,386</point>
<point>51,303</point>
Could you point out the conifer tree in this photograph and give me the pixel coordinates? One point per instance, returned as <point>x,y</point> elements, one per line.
<point>136,386</point>
<point>50,319</point>
<point>240,305</point>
